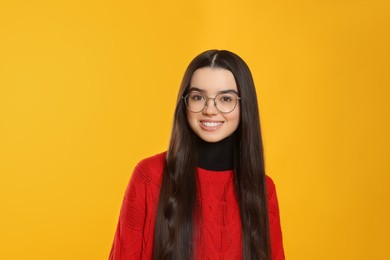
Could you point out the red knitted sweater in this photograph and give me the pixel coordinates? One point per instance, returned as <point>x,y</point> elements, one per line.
<point>219,227</point>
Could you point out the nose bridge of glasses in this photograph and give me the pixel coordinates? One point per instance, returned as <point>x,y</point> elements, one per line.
<point>206,104</point>
<point>207,101</point>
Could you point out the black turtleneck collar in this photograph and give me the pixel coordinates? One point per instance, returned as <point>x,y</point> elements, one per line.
<point>217,156</point>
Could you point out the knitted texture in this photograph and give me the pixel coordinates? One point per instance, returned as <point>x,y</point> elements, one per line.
<point>218,228</point>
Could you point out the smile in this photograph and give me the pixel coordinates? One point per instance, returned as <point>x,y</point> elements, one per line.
<point>211,124</point>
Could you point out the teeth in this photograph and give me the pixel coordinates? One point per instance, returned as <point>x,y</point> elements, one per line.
<point>211,124</point>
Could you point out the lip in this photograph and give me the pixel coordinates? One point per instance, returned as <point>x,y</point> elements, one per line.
<point>210,125</point>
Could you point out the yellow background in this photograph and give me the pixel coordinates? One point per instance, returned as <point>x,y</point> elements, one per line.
<point>87,89</point>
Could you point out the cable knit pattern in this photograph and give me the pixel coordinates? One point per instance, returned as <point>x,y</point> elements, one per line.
<point>218,227</point>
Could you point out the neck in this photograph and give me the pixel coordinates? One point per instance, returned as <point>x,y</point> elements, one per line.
<point>218,156</point>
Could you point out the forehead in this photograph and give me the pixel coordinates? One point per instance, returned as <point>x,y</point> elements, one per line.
<point>213,80</point>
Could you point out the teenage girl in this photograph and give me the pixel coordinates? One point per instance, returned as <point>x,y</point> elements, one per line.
<point>207,197</point>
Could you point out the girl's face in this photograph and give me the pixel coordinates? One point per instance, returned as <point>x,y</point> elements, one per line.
<point>210,124</point>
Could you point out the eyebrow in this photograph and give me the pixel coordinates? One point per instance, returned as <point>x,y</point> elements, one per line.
<point>219,92</point>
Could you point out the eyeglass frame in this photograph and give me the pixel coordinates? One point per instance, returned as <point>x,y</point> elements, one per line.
<point>208,98</point>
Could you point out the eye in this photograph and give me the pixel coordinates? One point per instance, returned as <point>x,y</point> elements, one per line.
<point>226,98</point>
<point>196,97</point>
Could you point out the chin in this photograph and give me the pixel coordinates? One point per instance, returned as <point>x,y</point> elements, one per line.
<point>211,139</point>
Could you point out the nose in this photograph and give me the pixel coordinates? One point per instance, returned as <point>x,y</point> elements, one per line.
<point>210,108</point>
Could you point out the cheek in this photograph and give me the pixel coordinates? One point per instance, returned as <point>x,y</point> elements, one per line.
<point>234,116</point>
<point>238,113</point>
<point>190,119</point>
<point>188,116</point>
<point>236,119</point>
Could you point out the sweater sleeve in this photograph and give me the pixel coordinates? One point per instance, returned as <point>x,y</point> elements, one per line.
<point>129,233</point>
<point>274,222</point>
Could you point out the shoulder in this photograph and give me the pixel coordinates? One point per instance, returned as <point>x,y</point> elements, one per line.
<point>273,206</point>
<point>155,161</point>
<point>150,169</point>
<point>270,185</point>
<point>274,221</point>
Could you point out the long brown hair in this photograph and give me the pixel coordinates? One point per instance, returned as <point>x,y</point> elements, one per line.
<point>177,206</point>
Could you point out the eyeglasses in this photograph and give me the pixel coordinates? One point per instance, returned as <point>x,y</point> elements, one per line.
<point>225,102</point>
